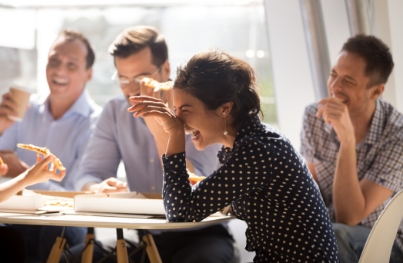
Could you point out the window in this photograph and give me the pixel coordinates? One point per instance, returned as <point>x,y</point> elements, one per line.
<point>236,29</point>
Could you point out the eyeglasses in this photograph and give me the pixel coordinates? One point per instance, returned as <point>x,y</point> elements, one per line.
<point>124,82</point>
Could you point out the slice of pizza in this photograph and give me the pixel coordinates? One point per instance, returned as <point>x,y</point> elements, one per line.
<point>149,82</point>
<point>194,179</point>
<point>44,151</point>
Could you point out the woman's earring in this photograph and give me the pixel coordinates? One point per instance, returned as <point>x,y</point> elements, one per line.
<point>225,124</point>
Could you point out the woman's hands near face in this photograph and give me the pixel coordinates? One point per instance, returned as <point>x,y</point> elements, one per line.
<point>152,107</point>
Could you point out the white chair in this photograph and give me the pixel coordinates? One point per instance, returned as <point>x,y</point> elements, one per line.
<point>380,241</point>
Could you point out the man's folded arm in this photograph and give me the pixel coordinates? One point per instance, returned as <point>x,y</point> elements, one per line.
<point>355,199</point>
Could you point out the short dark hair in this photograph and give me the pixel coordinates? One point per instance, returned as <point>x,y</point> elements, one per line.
<point>215,78</point>
<point>376,54</point>
<point>71,35</point>
<point>134,39</point>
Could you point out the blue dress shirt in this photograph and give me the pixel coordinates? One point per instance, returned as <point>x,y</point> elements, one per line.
<point>120,136</point>
<point>66,137</point>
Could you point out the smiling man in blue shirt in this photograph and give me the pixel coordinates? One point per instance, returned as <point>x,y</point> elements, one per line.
<point>62,122</point>
<point>141,52</point>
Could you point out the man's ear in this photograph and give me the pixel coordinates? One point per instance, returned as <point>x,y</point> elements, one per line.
<point>377,91</point>
<point>89,74</point>
<point>165,70</point>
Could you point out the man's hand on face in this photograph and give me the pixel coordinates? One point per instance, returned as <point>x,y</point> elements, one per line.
<point>335,112</point>
<point>110,185</point>
<point>15,165</point>
<point>7,107</point>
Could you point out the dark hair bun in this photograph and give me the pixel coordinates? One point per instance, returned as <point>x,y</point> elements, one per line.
<point>215,78</point>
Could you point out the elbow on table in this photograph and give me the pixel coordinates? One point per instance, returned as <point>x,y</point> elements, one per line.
<point>173,216</point>
<point>174,219</point>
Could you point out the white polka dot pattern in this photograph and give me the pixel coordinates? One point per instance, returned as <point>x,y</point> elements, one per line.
<point>269,186</point>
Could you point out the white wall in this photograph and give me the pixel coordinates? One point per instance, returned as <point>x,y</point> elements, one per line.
<point>336,26</point>
<point>395,19</point>
<point>290,65</point>
<point>291,71</point>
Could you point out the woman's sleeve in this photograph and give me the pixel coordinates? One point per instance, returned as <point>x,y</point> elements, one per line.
<point>247,169</point>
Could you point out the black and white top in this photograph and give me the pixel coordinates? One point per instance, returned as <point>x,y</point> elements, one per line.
<point>269,186</point>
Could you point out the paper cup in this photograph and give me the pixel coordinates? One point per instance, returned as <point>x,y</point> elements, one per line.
<point>21,97</point>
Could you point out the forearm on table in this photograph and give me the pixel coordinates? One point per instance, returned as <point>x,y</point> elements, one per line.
<point>177,203</point>
<point>348,198</point>
<point>12,186</point>
<point>91,186</point>
<point>88,182</point>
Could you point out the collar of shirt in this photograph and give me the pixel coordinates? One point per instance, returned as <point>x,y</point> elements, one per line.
<point>375,130</point>
<point>81,106</point>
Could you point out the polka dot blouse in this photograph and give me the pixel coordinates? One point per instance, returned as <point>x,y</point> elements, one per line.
<point>269,186</point>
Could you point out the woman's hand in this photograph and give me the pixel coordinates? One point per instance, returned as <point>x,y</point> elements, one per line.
<point>40,174</point>
<point>152,107</point>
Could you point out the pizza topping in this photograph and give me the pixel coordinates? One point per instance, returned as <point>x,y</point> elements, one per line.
<point>149,82</point>
<point>42,150</point>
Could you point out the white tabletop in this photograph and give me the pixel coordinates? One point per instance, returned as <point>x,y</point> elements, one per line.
<point>102,221</point>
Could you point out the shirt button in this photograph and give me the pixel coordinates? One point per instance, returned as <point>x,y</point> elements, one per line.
<point>151,160</point>
<point>152,187</point>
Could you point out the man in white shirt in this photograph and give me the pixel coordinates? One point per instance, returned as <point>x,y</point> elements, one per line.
<point>62,122</point>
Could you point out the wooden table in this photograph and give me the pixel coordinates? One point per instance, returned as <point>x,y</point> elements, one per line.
<point>106,222</point>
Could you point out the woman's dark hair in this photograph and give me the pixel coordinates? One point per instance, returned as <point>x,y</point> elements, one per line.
<point>215,78</point>
<point>376,54</point>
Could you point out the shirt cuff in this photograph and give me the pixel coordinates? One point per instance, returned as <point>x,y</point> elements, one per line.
<point>386,180</point>
<point>174,164</point>
<point>86,179</point>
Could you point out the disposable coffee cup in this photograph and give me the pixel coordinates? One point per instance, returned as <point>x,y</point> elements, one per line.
<point>21,97</point>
